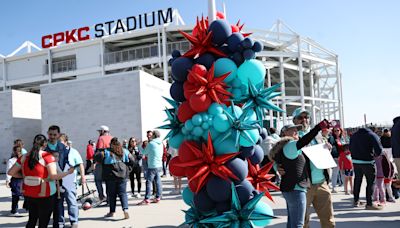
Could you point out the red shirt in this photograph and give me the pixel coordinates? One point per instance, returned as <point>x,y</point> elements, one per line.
<point>104,142</point>
<point>89,152</point>
<point>40,170</point>
<point>344,161</point>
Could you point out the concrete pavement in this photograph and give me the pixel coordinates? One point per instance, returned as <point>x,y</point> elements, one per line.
<point>168,212</point>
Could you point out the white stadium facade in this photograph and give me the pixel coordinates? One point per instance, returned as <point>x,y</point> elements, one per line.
<point>114,73</point>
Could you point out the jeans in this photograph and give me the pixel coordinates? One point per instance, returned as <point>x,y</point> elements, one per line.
<point>136,175</point>
<point>359,171</point>
<point>99,186</point>
<point>153,174</point>
<point>39,208</point>
<point>114,188</point>
<point>14,204</point>
<point>296,208</point>
<point>335,172</point>
<point>88,166</point>
<point>73,211</point>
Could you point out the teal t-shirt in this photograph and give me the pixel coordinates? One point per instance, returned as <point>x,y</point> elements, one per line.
<point>52,146</point>
<point>291,152</point>
<point>317,175</point>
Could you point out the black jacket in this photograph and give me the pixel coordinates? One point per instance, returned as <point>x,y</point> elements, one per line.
<point>385,141</point>
<point>396,137</point>
<point>365,145</point>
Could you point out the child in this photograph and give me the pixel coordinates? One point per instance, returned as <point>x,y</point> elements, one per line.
<point>346,168</point>
<point>388,167</point>
<point>58,182</point>
<point>177,180</point>
<point>14,183</point>
<point>379,192</point>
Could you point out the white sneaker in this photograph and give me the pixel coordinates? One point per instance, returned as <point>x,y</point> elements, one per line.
<point>137,195</point>
<point>15,214</point>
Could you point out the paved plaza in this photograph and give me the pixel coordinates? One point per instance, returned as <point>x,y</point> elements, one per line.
<point>168,213</point>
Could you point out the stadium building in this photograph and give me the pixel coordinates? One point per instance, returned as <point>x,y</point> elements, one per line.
<point>114,73</point>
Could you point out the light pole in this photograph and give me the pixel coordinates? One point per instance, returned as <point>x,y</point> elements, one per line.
<point>212,12</point>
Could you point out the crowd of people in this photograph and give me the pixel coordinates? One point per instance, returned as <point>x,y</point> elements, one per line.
<point>48,175</point>
<point>360,154</point>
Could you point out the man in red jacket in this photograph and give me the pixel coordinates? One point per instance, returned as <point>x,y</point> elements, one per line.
<point>89,156</point>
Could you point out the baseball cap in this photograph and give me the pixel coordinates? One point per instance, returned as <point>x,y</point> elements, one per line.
<point>104,128</point>
<point>290,126</point>
<point>298,111</point>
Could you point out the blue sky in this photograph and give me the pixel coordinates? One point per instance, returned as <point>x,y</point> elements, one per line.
<point>363,33</point>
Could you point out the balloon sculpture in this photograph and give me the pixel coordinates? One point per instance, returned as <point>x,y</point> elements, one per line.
<point>219,102</point>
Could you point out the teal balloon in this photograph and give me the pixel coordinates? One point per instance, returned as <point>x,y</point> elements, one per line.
<point>197,131</point>
<point>215,109</point>
<point>184,130</point>
<point>254,135</point>
<point>214,134</point>
<point>221,123</point>
<point>210,120</point>
<point>237,109</point>
<point>176,140</point>
<point>205,126</point>
<point>225,146</point>
<point>236,83</point>
<point>252,70</point>
<point>237,93</point>
<point>204,116</point>
<point>197,120</point>
<point>263,208</point>
<point>189,125</point>
<point>251,115</point>
<point>225,65</point>
<point>187,196</point>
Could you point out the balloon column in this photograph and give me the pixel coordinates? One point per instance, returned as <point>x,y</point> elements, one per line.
<point>219,102</point>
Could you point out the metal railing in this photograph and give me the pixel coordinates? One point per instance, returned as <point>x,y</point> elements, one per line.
<point>60,66</point>
<point>142,52</point>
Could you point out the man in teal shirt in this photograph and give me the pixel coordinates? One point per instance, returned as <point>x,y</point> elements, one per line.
<point>154,152</point>
<point>318,194</point>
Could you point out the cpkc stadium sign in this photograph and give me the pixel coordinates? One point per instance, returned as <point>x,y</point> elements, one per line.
<point>101,29</point>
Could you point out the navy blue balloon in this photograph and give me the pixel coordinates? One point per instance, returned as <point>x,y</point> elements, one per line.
<point>264,133</point>
<point>258,155</point>
<point>206,60</point>
<point>180,68</point>
<point>245,191</point>
<point>238,58</point>
<point>223,207</point>
<point>176,53</point>
<point>221,30</point>
<point>239,168</point>
<point>218,190</point>
<point>247,43</point>
<point>225,49</point>
<point>234,40</point>
<point>246,151</point>
<point>203,202</point>
<point>249,54</point>
<point>258,46</point>
<point>176,91</point>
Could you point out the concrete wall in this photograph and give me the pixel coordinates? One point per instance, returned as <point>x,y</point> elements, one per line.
<point>87,57</point>
<point>26,68</point>
<point>19,118</point>
<point>79,107</point>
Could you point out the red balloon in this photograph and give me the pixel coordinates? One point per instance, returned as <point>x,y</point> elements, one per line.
<point>185,153</point>
<point>235,28</point>
<point>220,15</point>
<point>176,170</point>
<point>190,173</point>
<point>188,89</point>
<point>200,102</point>
<point>199,69</point>
<point>185,112</point>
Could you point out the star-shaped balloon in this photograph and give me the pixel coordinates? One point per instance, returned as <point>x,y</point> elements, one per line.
<point>261,179</point>
<point>212,86</point>
<point>194,216</point>
<point>206,164</point>
<point>240,27</point>
<point>174,124</point>
<point>240,125</point>
<point>258,99</point>
<point>201,41</point>
<point>239,216</point>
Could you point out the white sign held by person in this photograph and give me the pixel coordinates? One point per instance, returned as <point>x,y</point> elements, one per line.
<point>320,156</point>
